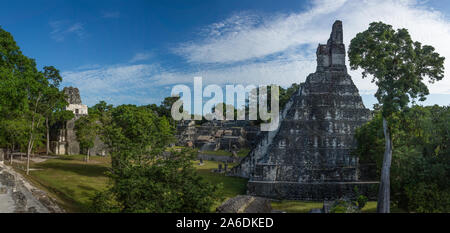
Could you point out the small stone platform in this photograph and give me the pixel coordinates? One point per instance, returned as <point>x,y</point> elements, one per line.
<point>311,191</point>
<point>245,204</point>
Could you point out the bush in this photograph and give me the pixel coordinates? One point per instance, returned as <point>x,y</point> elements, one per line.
<point>146,176</point>
<point>351,205</point>
<point>421,156</point>
<point>344,206</point>
<point>427,198</point>
<point>105,202</point>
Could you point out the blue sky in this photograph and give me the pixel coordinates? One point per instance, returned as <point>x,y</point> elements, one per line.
<point>136,51</point>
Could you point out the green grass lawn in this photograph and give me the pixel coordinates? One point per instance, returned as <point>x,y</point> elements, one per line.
<point>232,186</point>
<point>216,152</point>
<point>70,180</point>
<point>243,152</point>
<point>296,206</point>
<point>73,182</point>
<point>305,206</point>
<point>240,153</point>
<point>371,207</point>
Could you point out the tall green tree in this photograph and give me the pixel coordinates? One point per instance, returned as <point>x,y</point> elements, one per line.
<point>37,88</point>
<point>398,66</point>
<point>87,129</point>
<point>166,105</point>
<point>21,86</point>
<point>147,176</point>
<point>100,108</point>
<point>53,101</point>
<point>25,91</point>
<point>286,94</point>
<point>13,134</point>
<point>421,156</point>
<point>165,108</point>
<point>14,67</point>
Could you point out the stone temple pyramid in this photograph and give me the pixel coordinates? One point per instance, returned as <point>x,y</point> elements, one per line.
<point>309,156</point>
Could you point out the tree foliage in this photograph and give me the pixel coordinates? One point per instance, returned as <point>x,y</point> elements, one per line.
<point>164,109</point>
<point>398,66</point>
<point>28,97</point>
<point>87,129</point>
<point>146,176</point>
<point>421,156</point>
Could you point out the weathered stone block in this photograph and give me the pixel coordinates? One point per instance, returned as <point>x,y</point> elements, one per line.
<point>311,191</point>
<point>245,204</point>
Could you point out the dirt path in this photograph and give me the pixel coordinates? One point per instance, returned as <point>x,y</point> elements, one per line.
<point>35,159</point>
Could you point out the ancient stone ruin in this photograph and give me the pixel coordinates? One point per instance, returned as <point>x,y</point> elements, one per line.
<point>63,135</point>
<point>17,195</point>
<point>309,156</point>
<point>216,135</point>
<point>74,100</point>
<point>245,204</point>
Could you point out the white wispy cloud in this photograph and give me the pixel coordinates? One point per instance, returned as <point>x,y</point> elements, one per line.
<point>248,48</point>
<point>143,56</point>
<point>61,29</point>
<point>246,37</point>
<point>116,84</point>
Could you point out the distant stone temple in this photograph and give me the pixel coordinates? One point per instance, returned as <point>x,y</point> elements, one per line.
<point>216,135</point>
<point>74,100</point>
<point>309,156</point>
<point>64,139</point>
<point>64,136</point>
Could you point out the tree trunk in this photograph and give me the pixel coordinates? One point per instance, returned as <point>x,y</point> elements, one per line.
<point>48,136</point>
<point>28,154</point>
<point>31,140</point>
<point>87,156</point>
<point>11,154</point>
<point>30,146</point>
<point>383,205</point>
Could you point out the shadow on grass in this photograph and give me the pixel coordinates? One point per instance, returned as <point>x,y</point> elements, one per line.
<point>89,170</point>
<point>65,197</point>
